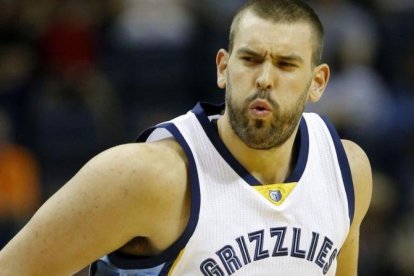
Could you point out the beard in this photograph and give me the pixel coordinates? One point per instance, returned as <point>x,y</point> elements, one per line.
<point>257,133</point>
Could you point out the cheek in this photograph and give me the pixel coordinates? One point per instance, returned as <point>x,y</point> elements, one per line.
<point>238,86</point>
<point>295,93</point>
<point>238,80</point>
<point>293,81</point>
<point>296,84</point>
<point>240,76</point>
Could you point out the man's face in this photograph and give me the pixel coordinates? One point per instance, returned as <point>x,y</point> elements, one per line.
<point>267,77</point>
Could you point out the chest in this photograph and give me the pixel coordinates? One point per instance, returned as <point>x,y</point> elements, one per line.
<point>239,229</point>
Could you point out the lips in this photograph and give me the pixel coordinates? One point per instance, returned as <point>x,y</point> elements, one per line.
<point>260,108</point>
<point>260,105</point>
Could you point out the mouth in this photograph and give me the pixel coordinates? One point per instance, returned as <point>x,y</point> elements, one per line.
<point>260,108</point>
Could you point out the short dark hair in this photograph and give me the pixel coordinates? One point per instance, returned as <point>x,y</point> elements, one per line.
<point>283,11</point>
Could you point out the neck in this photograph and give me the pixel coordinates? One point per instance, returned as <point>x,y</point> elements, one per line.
<point>268,166</point>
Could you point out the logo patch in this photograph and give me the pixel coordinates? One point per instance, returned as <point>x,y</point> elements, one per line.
<point>275,195</point>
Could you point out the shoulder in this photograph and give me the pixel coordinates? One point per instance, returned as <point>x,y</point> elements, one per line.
<point>142,165</point>
<point>168,148</point>
<point>143,158</point>
<point>132,177</point>
<point>361,177</point>
<point>114,198</point>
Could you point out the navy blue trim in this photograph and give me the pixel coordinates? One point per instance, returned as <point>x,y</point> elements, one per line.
<point>218,143</point>
<point>126,261</point>
<point>344,165</point>
<point>303,150</point>
<point>146,133</point>
<point>167,267</point>
<point>203,110</point>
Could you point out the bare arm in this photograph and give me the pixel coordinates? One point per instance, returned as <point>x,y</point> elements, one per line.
<point>106,204</point>
<point>362,178</point>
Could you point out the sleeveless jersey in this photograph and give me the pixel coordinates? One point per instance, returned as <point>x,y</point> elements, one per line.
<point>239,226</point>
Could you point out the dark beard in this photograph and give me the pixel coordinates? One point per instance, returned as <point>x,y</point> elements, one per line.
<point>257,134</point>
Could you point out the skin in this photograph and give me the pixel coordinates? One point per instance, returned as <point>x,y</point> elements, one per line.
<point>109,202</point>
<point>276,58</point>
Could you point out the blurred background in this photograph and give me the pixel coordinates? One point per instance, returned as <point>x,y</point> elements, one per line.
<point>77,77</point>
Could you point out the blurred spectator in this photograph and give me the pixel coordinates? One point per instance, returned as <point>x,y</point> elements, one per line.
<point>75,112</point>
<point>403,118</point>
<point>357,98</point>
<point>149,63</point>
<point>19,183</point>
<point>213,22</point>
<point>395,6</point>
<point>223,12</point>
<point>70,42</point>
<point>379,223</point>
<point>149,23</point>
<point>17,64</point>
<point>401,244</point>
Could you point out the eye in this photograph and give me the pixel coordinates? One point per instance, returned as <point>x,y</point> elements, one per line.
<point>287,65</point>
<point>249,59</point>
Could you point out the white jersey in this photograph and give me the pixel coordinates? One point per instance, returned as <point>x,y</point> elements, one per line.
<point>239,226</point>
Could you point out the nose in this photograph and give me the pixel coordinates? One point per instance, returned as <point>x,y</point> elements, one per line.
<point>266,77</point>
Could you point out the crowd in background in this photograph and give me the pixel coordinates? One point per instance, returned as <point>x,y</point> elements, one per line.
<point>77,77</point>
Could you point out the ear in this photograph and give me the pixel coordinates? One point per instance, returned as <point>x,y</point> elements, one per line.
<point>221,63</point>
<point>320,79</point>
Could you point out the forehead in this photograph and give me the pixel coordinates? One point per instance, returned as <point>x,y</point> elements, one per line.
<point>278,38</point>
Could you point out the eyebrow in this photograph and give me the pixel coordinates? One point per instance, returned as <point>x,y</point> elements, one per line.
<point>248,51</point>
<point>291,57</point>
<point>288,57</point>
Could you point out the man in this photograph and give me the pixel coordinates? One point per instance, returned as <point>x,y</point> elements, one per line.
<point>261,189</point>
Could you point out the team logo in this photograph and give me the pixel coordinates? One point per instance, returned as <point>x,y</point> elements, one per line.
<point>275,195</point>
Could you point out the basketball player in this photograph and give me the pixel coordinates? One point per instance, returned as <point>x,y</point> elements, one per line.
<point>254,187</point>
